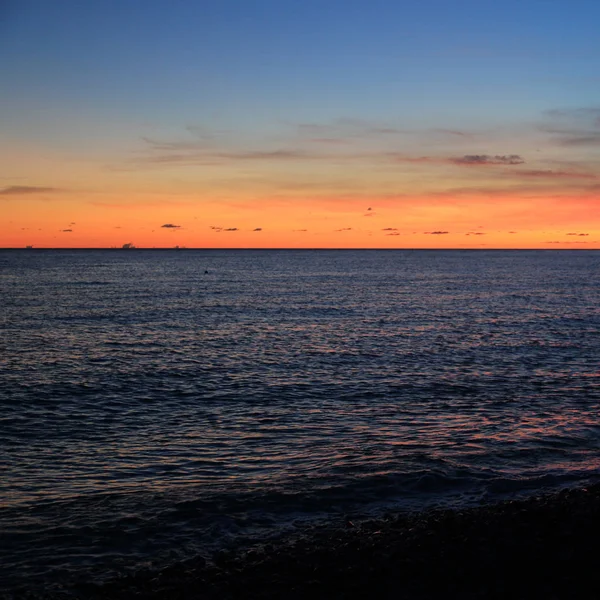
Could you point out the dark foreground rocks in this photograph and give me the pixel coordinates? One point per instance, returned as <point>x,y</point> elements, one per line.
<point>545,547</point>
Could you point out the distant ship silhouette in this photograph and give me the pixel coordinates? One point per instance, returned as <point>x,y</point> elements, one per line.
<point>128,246</point>
<point>28,247</point>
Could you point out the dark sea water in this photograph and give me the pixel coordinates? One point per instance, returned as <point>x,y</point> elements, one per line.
<point>156,405</point>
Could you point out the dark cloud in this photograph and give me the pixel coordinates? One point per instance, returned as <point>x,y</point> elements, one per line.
<point>390,229</point>
<point>475,233</point>
<point>66,230</point>
<point>219,229</point>
<point>344,229</point>
<point>170,226</point>
<point>393,233</point>
<point>257,229</point>
<point>487,159</point>
<point>579,234</point>
<point>558,242</point>
<point>436,232</point>
<point>512,232</point>
<point>20,190</point>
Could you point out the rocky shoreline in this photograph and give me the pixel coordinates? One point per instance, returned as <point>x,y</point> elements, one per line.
<point>541,547</point>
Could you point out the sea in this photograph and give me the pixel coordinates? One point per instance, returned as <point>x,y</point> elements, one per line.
<point>159,405</point>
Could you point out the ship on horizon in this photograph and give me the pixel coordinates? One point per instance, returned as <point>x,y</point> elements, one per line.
<point>128,246</point>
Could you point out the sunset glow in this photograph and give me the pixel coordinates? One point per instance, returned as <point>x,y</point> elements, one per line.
<point>361,126</point>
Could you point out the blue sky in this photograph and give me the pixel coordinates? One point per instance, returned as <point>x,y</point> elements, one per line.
<point>252,62</point>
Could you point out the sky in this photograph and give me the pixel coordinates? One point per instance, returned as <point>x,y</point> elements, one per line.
<point>300,123</point>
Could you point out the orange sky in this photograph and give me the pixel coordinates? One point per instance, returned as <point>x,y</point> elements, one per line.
<point>163,194</point>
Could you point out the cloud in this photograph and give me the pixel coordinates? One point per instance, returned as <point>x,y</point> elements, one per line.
<point>390,229</point>
<point>219,229</point>
<point>344,229</point>
<point>66,230</point>
<point>591,139</point>
<point>334,141</point>
<point>467,160</point>
<point>257,229</point>
<point>170,226</point>
<point>475,233</point>
<point>487,159</point>
<point>454,132</point>
<point>549,174</point>
<point>348,128</point>
<point>195,153</point>
<point>436,232</point>
<point>21,190</point>
<point>139,204</point>
<point>392,233</point>
<point>579,234</point>
<point>575,126</point>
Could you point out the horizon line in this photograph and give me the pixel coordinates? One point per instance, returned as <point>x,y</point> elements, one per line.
<point>145,248</point>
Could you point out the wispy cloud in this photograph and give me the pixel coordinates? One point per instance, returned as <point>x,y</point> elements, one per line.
<point>436,232</point>
<point>550,174</point>
<point>135,204</point>
<point>349,128</point>
<point>21,190</point>
<point>453,133</point>
<point>211,157</point>
<point>574,127</point>
<point>170,226</point>
<point>467,160</point>
<point>562,242</point>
